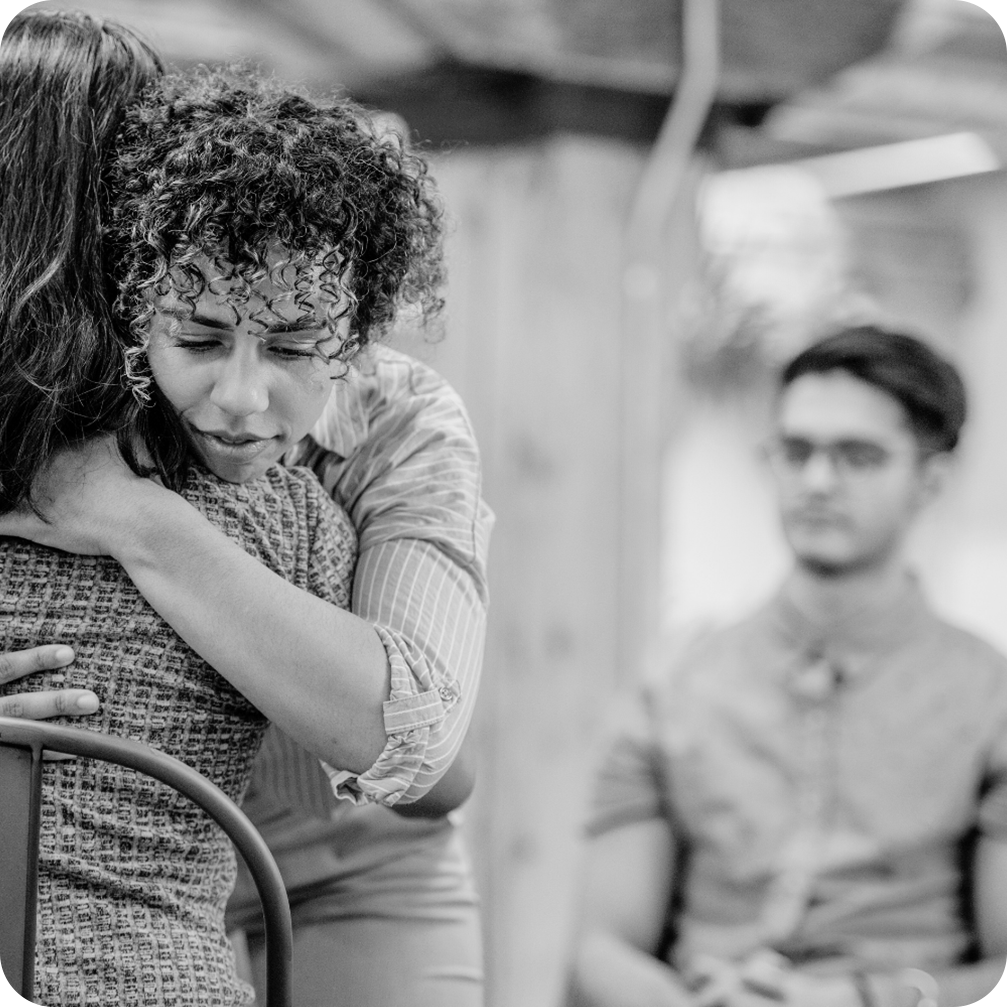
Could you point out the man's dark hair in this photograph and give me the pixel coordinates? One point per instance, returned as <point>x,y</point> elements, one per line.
<point>928,387</point>
<point>66,80</point>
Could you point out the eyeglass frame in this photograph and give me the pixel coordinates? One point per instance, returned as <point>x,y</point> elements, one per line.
<point>848,457</point>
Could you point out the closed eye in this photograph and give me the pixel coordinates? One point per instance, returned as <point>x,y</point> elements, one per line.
<point>302,348</point>
<point>197,343</point>
<point>295,353</point>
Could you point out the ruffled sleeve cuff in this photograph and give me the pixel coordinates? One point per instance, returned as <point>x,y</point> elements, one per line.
<point>414,707</point>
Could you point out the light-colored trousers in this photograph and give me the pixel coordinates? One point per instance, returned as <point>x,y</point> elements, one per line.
<point>397,926</point>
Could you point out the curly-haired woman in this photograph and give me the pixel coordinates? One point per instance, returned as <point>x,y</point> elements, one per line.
<point>254,263</point>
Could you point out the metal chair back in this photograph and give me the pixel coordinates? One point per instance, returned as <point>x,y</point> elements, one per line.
<point>22,743</point>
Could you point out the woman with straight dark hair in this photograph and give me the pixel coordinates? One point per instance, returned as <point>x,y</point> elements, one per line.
<point>411,477</point>
<point>64,86</point>
<point>132,878</point>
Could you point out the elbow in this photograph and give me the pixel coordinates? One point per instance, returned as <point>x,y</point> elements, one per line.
<point>360,745</point>
<point>451,791</point>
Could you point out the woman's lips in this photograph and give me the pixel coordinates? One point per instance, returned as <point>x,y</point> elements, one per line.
<point>237,447</point>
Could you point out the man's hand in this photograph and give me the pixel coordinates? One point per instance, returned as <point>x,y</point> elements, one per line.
<point>803,990</point>
<point>81,494</point>
<point>766,979</point>
<point>42,705</point>
<point>757,982</point>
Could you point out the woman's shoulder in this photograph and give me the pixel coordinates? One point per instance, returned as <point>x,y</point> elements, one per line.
<point>296,487</point>
<point>301,485</point>
<point>281,516</point>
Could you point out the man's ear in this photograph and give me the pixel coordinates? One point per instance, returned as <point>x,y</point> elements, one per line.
<point>935,470</point>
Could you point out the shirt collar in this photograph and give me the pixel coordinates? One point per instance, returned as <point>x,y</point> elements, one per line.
<point>344,423</point>
<point>856,641</point>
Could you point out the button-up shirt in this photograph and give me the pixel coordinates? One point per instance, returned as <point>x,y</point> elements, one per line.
<point>821,782</point>
<point>395,448</point>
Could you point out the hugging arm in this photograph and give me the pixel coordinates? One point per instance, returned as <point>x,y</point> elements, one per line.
<point>348,683</point>
<point>396,449</point>
<point>317,671</point>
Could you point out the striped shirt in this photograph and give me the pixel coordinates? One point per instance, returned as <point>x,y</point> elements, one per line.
<point>395,448</point>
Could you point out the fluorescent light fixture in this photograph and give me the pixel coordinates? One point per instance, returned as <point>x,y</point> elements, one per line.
<point>895,165</point>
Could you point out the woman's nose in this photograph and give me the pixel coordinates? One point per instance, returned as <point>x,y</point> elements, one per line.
<point>241,386</point>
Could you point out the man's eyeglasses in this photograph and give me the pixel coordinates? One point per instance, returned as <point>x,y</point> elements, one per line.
<point>848,458</point>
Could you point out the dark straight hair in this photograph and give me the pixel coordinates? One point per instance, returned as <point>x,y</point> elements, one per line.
<point>928,387</point>
<point>66,80</point>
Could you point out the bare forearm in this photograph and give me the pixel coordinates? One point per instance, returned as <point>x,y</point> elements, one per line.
<point>610,972</point>
<point>315,670</point>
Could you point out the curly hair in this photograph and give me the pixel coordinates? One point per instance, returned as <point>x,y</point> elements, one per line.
<point>66,79</point>
<point>230,166</point>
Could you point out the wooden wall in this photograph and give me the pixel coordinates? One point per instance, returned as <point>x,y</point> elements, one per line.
<point>533,345</point>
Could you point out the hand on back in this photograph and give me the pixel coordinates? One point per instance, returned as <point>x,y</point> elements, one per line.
<point>50,703</point>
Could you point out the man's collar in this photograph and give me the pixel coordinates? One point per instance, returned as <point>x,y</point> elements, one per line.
<point>855,641</point>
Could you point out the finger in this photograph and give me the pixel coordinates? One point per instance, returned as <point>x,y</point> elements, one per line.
<point>763,988</point>
<point>705,969</point>
<point>18,663</point>
<point>716,993</point>
<point>52,703</point>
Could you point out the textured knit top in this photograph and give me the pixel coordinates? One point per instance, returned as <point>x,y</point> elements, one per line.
<point>133,878</point>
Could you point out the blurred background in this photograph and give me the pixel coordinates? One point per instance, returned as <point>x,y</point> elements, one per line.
<point>653,203</point>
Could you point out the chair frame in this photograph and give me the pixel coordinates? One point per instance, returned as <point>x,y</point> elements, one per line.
<point>22,743</point>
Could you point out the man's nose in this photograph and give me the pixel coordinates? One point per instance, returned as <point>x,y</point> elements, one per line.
<point>819,472</point>
<point>241,387</point>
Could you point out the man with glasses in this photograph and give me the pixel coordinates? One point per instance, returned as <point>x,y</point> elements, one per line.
<point>810,807</point>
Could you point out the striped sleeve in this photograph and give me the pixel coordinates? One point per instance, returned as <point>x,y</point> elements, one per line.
<point>396,449</point>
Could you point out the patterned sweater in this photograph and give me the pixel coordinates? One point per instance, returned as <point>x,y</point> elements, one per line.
<point>133,878</point>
